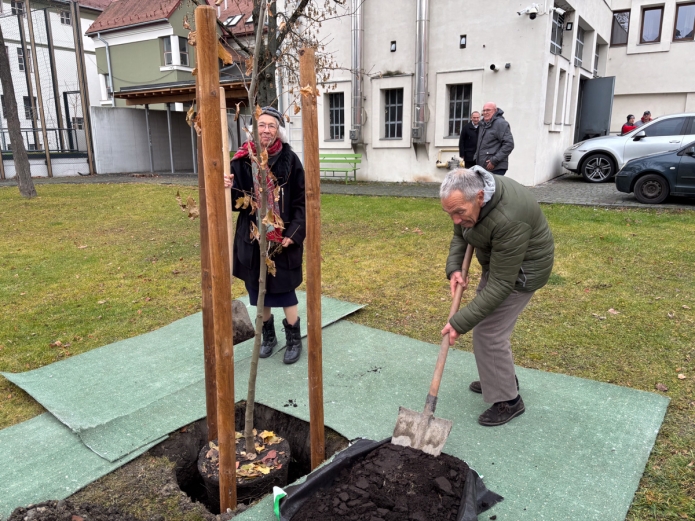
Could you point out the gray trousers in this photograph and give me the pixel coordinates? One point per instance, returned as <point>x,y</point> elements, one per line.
<point>492,348</point>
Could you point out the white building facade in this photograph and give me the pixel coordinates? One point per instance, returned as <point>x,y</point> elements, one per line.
<point>541,67</point>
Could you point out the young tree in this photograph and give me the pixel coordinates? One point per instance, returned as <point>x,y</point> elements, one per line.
<point>19,152</point>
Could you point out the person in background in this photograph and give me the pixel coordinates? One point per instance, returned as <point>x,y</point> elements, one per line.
<point>286,246</point>
<point>629,125</point>
<point>468,142</point>
<point>646,118</point>
<point>495,141</point>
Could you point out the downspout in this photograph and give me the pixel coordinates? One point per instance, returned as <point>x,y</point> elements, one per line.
<point>108,65</point>
<point>419,133</point>
<point>356,66</point>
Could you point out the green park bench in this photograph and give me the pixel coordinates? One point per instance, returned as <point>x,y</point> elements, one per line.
<point>346,164</point>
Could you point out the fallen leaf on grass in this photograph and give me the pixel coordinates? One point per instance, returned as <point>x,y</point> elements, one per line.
<point>613,311</point>
<point>681,376</point>
<point>671,314</point>
<point>57,343</point>
<point>600,317</point>
<point>686,307</point>
<point>661,387</point>
<point>101,302</point>
<point>82,247</point>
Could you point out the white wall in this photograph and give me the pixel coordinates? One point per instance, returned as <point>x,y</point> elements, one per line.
<point>121,144</point>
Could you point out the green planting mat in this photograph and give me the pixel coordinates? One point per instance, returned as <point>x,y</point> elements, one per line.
<point>122,396</point>
<point>578,452</point>
<point>42,459</point>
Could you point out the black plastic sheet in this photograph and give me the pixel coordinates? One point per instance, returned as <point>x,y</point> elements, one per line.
<point>476,498</point>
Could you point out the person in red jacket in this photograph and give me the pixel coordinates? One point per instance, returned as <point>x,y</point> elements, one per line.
<point>630,125</point>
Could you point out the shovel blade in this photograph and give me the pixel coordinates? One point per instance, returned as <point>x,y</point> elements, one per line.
<point>421,431</point>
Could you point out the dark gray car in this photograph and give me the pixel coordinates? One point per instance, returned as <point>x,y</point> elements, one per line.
<point>653,178</point>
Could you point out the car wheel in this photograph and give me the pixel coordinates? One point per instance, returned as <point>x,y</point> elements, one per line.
<point>651,189</point>
<point>597,168</point>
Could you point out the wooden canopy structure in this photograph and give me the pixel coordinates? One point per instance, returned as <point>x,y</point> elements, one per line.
<point>178,92</point>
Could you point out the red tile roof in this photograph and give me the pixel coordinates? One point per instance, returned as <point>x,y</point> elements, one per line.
<point>123,13</point>
<point>228,9</point>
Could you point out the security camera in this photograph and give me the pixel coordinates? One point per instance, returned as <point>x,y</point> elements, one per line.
<point>494,68</point>
<point>558,10</point>
<point>532,11</point>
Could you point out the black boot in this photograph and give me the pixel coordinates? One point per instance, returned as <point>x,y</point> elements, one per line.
<point>294,342</point>
<point>269,338</point>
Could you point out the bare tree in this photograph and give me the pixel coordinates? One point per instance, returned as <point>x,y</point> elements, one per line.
<point>19,152</point>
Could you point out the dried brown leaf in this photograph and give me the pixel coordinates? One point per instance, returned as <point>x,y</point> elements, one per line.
<point>661,387</point>
<point>306,91</point>
<point>257,113</point>
<point>254,232</point>
<point>296,109</point>
<point>194,72</point>
<point>249,66</point>
<point>192,38</point>
<point>613,311</point>
<point>271,266</point>
<point>236,114</point>
<point>264,158</point>
<point>193,211</point>
<point>190,115</point>
<point>180,201</point>
<point>223,54</point>
<point>287,117</point>
<point>681,376</point>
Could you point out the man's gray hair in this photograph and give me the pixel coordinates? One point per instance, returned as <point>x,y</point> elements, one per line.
<point>468,182</point>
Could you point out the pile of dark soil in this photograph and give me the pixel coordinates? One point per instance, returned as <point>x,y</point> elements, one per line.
<point>391,484</point>
<point>68,511</point>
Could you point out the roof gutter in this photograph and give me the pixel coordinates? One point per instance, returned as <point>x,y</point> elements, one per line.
<point>108,65</point>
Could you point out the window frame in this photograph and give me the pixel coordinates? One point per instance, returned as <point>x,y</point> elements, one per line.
<point>596,58</point>
<point>464,119</point>
<point>183,42</point>
<point>65,15</point>
<point>579,57</point>
<point>613,22</point>
<point>557,29</point>
<point>22,9</point>
<point>3,109</point>
<point>675,23</point>
<point>680,132</point>
<point>30,108</point>
<point>661,23</point>
<point>166,52</point>
<point>22,63</point>
<point>397,124</point>
<point>333,111</point>
<point>77,122</point>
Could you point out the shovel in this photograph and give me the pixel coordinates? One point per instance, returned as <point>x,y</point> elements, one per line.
<point>422,431</point>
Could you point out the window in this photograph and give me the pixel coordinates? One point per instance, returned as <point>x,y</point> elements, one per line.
<point>168,56</point>
<point>17,7</point>
<point>28,109</point>
<point>459,108</point>
<point>393,118</point>
<point>651,24</point>
<point>691,130</point>
<point>685,22</point>
<point>65,18</point>
<point>2,104</point>
<point>24,64</point>
<point>621,27</point>
<point>249,20</point>
<point>556,33</point>
<point>78,123</point>
<point>668,127</point>
<point>233,20</point>
<point>596,62</point>
<point>336,115</point>
<point>579,50</point>
<point>183,51</point>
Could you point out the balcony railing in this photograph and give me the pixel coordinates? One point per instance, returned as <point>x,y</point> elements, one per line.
<point>59,139</point>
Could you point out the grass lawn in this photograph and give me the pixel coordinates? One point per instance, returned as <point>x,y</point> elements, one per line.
<point>87,265</point>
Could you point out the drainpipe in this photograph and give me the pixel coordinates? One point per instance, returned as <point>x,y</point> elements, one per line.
<point>421,62</point>
<point>108,65</point>
<point>356,65</point>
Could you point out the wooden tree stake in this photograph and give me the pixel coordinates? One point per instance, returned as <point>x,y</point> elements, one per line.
<point>307,78</point>
<point>209,113</point>
<point>226,160</point>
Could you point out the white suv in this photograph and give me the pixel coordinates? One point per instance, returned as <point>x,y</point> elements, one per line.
<point>600,158</point>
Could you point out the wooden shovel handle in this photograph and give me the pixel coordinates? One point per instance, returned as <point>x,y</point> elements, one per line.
<point>431,402</point>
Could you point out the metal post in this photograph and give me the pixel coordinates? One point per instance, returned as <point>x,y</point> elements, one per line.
<point>2,147</point>
<point>82,80</point>
<point>42,114</point>
<point>54,78</point>
<point>171,146</point>
<point>68,122</point>
<point>149,136</point>
<point>195,151</point>
<point>27,74</point>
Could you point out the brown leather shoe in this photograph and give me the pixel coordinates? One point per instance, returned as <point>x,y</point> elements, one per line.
<point>500,413</point>
<point>477,388</point>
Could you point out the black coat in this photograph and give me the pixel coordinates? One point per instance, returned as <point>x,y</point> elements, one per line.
<point>290,175</point>
<point>468,142</point>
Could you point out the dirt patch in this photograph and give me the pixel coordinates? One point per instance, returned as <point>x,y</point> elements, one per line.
<point>391,483</point>
<point>67,511</point>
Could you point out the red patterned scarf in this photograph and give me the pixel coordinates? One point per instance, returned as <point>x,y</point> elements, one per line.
<point>243,151</point>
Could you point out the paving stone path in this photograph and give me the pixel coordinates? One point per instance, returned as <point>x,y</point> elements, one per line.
<point>566,189</point>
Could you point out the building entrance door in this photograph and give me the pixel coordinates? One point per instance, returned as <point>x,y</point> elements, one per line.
<point>594,108</point>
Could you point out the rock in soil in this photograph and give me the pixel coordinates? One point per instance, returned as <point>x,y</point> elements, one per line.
<point>391,483</point>
<point>68,511</point>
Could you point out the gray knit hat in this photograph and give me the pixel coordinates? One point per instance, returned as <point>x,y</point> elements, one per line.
<point>272,111</point>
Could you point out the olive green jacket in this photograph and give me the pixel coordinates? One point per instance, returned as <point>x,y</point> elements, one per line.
<point>512,241</point>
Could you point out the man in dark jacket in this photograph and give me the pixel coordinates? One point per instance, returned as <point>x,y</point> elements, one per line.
<point>468,142</point>
<point>513,244</point>
<point>495,141</point>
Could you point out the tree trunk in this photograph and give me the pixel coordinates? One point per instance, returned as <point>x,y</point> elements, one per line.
<point>19,152</point>
<point>267,90</point>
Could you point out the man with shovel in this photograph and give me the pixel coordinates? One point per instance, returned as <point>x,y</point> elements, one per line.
<point>514,246</point>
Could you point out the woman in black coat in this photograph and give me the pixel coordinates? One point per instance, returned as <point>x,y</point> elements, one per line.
<point>285,246</point>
